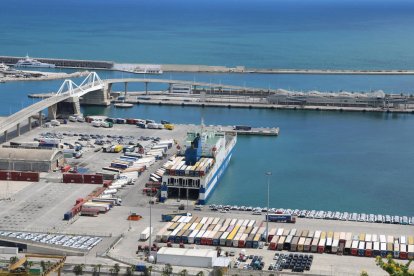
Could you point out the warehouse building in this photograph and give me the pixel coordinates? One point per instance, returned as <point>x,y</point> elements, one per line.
<point>187,257</point>
<point>34,160</point>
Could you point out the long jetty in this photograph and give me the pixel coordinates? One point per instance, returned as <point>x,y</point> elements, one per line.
<point>127,67</point>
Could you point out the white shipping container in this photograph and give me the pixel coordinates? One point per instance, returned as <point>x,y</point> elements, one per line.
<point>146,233</point>
<point>9,250</point>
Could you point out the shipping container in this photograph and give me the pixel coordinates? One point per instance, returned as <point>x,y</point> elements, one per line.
<point>403,251</point>
<point>347,248</point>
<point>216,239</point>
<point>307,246</point>
<point>280,243</point>
<point>321,245</point>
<point>376,249</point>
<point>288,241</point>
<point>354,247</point>
<point>72,178</point>
<point>273,243</point>
<point>410,251</point>
<point>383,250</point>
<point>328,245</point>
<point>294,244</point>
<point>368,249</point>
<point>301,244</point>
<point>223,238</point>
<point>314,245</point>
<point>249,241</point>
<point>396,252</point>
<point>93,178</point>
<point>390,248</point>
<point>242,241</point>
<point>361,248</point>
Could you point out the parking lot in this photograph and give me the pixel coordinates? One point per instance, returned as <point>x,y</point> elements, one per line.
<point>76,242</point>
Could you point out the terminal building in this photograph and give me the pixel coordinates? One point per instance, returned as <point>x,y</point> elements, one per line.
<point>181,89</point>
<point>342,99</point>
<point>33,160</point>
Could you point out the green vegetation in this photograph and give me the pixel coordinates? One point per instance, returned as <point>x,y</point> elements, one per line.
<point>394,268</point>
<point>78,269</point>
<point>130,270</point>
<point>167,270</point>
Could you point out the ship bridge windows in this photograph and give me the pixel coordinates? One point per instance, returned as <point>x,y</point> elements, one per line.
<point>184,182</point>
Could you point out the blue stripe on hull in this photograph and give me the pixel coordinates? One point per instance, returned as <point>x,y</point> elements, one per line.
<point>223,167</point>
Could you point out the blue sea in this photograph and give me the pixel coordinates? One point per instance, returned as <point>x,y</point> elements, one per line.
<point>321,160</point>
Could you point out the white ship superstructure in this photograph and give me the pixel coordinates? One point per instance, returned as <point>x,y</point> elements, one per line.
<point>30,62</point>
<point>196,171</point>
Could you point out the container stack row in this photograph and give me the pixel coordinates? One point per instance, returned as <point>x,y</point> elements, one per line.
<point>177,166</point>
<point>342,243</point>
<point>212,231</point>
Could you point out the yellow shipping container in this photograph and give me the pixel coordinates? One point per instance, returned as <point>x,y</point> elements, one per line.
<point>118,148</point>
<point>169,126</point>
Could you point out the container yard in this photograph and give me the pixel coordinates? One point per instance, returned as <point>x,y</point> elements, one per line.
<point>247,233</point>
<point>112,173</point>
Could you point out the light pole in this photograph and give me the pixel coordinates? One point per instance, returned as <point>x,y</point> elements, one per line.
<point>150,205</point>
<point>268,174</point>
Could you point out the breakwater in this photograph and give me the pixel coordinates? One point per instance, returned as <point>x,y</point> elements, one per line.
<point>66,63</point>
<point>198,68</point>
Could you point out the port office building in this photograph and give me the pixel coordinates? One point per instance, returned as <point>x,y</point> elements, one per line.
<point>34,160</point>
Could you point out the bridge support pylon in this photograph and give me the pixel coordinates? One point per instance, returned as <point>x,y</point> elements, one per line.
<point>40,118</point>
<point>5,136</point>
<point>18,129</point>
<point>52,112</point>
<point>30,123</point>
<point>98,97</point>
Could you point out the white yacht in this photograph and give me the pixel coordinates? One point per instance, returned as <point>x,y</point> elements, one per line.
<point>4,67</point>
<point>30,62</point>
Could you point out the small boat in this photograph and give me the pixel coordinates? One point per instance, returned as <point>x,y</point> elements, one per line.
<point>123,105</point>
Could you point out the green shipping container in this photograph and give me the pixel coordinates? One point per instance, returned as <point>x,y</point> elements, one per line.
<point>36,270</point>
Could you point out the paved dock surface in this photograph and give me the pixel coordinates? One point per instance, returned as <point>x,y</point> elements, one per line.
<point>43,204</point>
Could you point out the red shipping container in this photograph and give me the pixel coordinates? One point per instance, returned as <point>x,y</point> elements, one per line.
<point>72,178</point>
<point>29,176</point>
<point>92,179</point>
<point>15,176</point>
<point>130,121</point>
<point>3,175</point>
<point>79,200</point>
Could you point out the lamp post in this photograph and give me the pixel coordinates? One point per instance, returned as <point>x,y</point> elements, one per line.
<point>149,240</point>
<point>268,174</point>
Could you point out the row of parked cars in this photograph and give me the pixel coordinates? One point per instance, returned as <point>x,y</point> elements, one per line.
<point>76,242</point>
<point>314,214</point>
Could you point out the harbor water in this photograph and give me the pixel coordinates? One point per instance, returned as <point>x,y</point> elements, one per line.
<point>321,160</point>
<point>344,34</point>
